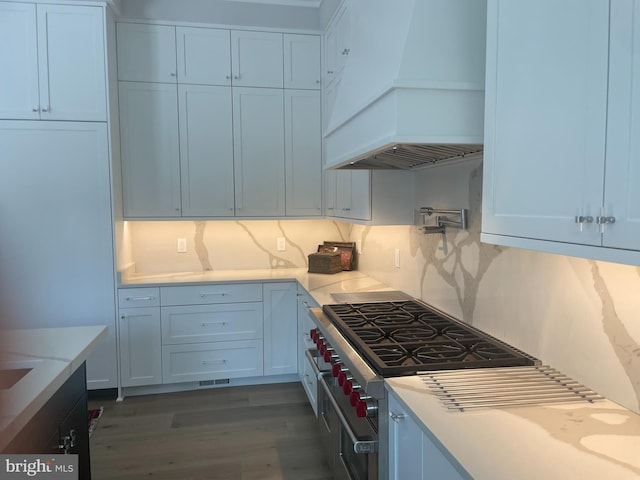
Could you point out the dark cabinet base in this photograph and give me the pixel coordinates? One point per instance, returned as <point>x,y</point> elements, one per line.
<point>64,415</point>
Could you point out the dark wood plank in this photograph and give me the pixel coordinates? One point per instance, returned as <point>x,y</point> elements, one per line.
<point>255,432</point>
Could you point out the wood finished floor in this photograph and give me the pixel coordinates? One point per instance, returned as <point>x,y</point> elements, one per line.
<point>264,432</point>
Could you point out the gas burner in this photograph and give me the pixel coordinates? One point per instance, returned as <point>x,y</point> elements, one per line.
<point>413,335</point>
<point>458,332</point>
<point>392,319</point>
<point>373,308</point>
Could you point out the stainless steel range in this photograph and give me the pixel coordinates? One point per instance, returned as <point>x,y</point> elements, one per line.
<point>359,344</point>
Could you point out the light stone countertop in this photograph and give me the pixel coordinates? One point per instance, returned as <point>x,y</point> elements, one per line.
<point>53,354</point>
<point>563,441</point>
<point>319,285</point>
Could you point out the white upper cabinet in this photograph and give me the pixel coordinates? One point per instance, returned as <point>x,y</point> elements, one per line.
<point>337,43</point>
<point>622,176</point>
<point>150,149</point>
<point>204,56</point>
<point>146,53</point>
<point>303,153</point>
<point>257,59</point>
<point>206,151</point>
<point>258,131</point>
<point>302,61</point>
<point>53,62</point>
<point>561,128</point>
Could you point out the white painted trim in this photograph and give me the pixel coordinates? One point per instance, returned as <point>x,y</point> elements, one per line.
<point>217,25</point>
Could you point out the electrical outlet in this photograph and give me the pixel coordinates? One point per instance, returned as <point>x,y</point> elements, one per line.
<point>182,245</point>
<point>281,244</point>
<point>397,257</point>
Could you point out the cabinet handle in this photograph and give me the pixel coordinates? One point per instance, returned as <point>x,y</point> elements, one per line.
<point>140,299</point>
<point>35,109</point>
<point>213,362</point>
<point>346,51</point>
<point>228,77</point>
<point>67,442</point>
<point>396,417</point>
<point>602,221</point>
<point>236,77</point>
<point>46,109</point>
<point>173,74</point>
<point>581,220</point>
<point>329,72</point>
<point>206,294</point>
<point>204,324</point>
<point>317,81</point>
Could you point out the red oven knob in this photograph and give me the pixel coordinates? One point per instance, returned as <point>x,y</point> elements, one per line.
<point>329,355</point>
<point>312,333</point>
<point>323,348</point>
<point>337,369</point>
<point>350,387</point>
<point>366,408</point>
<point>319,342</point>
<point>354,398</point>
<point>344,377</point>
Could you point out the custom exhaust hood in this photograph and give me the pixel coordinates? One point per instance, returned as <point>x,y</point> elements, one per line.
<point>411,91</point>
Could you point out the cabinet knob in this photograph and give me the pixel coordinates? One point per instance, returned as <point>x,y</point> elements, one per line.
<point>329,72</point>
<point>345,51</point>
<point>228,77</point>
<point>396,417</point>
<point>317,81</point>
<point>173,74</point>
<point>35,109</point>
<point>46,109</point>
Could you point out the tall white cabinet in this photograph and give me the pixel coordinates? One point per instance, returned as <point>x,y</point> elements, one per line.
<point>57,241</point>
<point>53,62</point>
<point>218,150</point>
<point>561,128</point>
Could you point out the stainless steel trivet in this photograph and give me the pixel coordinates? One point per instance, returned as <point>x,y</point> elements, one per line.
<point>505,387</point>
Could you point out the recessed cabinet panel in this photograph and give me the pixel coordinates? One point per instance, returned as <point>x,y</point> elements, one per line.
<point>302,61</point>
<point>545,124</point>
<point>71,63</point>
<point>280,328</point>
<point>140,347</point>
<point>150,149</point>
<point>204,56</point>
<point>622,187</point>
<point>303,153</point>
<point>212,293</point>
<point>19,97</point>
<point>206,151</point>
<point>258,121</point>
<point>257,59</point>
<point>211,323</point>
<point>146,53</point>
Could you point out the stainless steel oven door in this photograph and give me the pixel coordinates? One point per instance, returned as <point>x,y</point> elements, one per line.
<point>351,443</point>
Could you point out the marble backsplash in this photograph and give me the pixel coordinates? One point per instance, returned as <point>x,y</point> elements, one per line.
<point>580,316</point>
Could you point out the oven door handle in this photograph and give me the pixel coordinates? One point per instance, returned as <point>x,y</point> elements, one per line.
<point>359,446</point>
<point>311,358</point>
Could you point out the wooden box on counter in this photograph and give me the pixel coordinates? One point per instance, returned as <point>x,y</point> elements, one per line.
<point>325,262</point>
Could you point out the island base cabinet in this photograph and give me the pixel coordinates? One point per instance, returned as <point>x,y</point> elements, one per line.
<point>211,361</point>
<point>64,415</point>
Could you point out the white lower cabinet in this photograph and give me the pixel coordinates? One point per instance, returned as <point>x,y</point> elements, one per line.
<point>140,338</point>
<point>280,328</point>
<point>211,361</point>
<point>306,371</point>
<point>413,454</point>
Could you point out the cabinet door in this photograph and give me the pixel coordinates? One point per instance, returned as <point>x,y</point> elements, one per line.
<point>302,61</point>
<point>622,187</point>
<point>204,56</point>
<point>150,149</point>
<point>257,59</point>
<point>206,151</point>
<point>140,347</point>
<point>303,156</point>
<point>330,54</point>
<point>545,118</point>
<point>343,37</point>
<point>146,53</point>
<point>258,132</point>
<point>71,58</point>
<point>19,98</point>
<point>343,193</point>
<point>405,443</point>
<point>280,328</point>
<point>330,192</point>
<point>361,195</point>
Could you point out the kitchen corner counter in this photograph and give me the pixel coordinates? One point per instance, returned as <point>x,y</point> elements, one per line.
<point>563,441</point>
<point>53,354</point>
<point>319,285</point>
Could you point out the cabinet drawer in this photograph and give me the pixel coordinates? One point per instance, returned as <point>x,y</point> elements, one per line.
<point>216,293</point>
<point>138,297</point>
<point>211,361</point>
<point>211,323</point>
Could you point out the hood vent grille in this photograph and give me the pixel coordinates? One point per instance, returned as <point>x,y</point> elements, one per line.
<point>408,156</point>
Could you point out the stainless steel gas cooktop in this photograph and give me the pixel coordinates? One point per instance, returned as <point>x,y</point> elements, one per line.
<point>404,337</point>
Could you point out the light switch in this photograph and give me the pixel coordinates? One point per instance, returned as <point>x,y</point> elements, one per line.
<point>281,244</point>
<point>182,245</point>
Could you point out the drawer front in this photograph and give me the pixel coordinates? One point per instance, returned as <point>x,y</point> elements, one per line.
<point>211,361</point>
<point>214,293</point>
<point>211,323</point>
<point>138,297</point>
